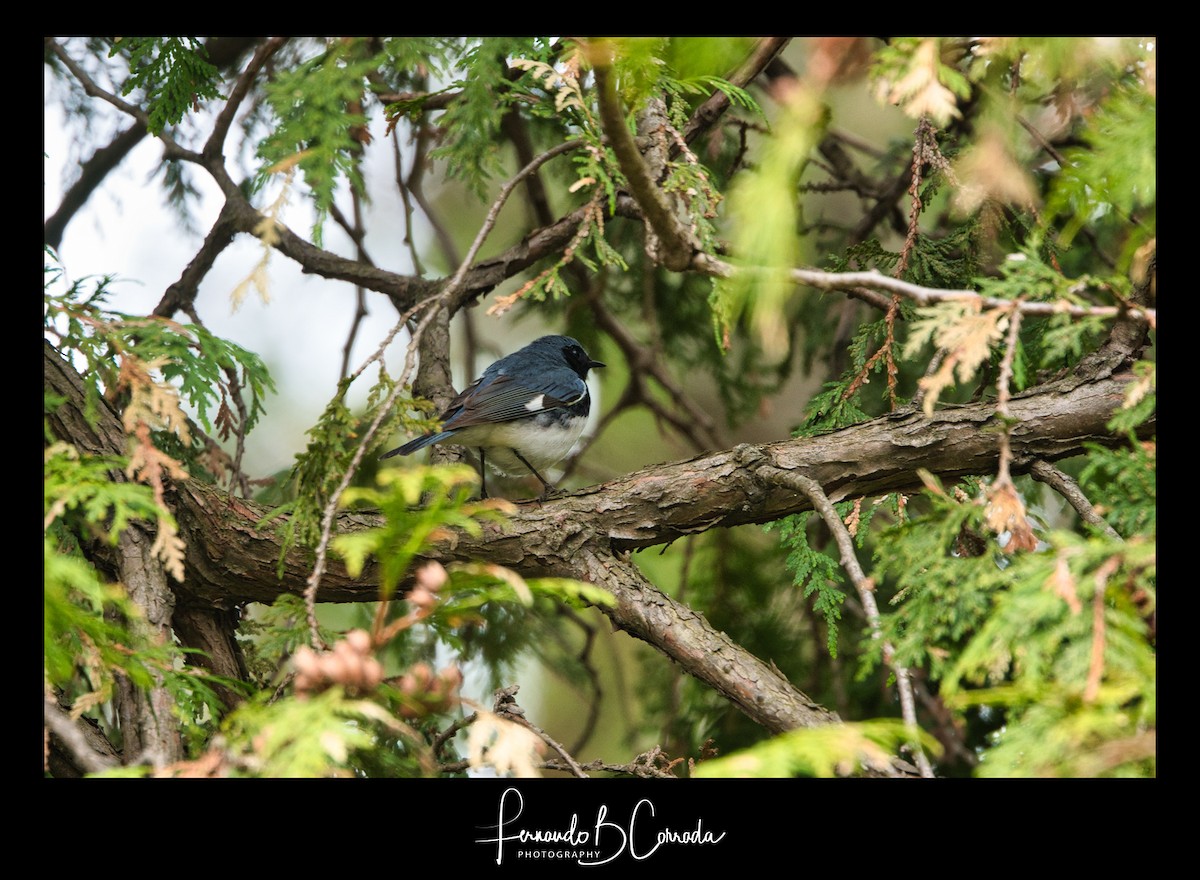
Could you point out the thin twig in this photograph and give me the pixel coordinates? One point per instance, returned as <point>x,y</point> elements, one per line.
<point>236,477</point>
<point>91,88</point>
<point>431,307</point>
<point>212,147</point>
<point>872,279</point>
<point>406,197</point>
<point>644,361</point>
<point>440,740</point>
<point>645,766</point>
<point>1044,472</point>
<point>313,582</point>
<point>1004,394</point>
<point>923,134</point>
<point>506,707</point>
<point>717,103</point>
<point>357,234</point>
<point>866,593</point>
<point>593,675</point>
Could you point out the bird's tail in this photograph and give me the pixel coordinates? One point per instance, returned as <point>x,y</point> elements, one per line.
<point>418,443</point>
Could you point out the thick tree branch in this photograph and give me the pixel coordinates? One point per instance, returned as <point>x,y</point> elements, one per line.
<point>213,632</point>
<point>675,249</point>
<point>149,731</point>
<point>757,688</point>
<point>232,561</point>
<point>91,174</point>
<point>148,728</point>
<point>586,535</point>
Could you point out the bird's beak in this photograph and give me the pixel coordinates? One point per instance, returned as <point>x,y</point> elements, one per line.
<point>593,364</point>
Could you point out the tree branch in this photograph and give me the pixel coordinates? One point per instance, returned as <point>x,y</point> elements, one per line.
<point>866,595</point>
<point>586,535</point>
<point>1044,472</point>
<point>76,747</point>
<point>718,102</point>
<point>675,248</point>
<point>91,174</point>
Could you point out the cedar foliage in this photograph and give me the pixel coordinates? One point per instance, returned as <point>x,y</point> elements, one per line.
<point>1017,616</point>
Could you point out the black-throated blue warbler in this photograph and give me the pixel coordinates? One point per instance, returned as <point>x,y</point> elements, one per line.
<point>525,412</point>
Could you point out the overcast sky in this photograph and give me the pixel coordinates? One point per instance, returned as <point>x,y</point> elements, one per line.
<point>127,230</point>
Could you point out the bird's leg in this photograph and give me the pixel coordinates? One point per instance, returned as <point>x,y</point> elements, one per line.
<point>482,478</point>
<point>547,488</point>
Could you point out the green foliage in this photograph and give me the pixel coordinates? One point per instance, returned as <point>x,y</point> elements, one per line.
<point>951,261</point>
<point>173,72</point>
<point>941,570</point>
<point>317,736</point>
<point>485,612</point>
<point>815,571</point>
<point>487,93</point>
<point>320,121</point>
<point>80,489</point>
<point>1057,639</point>
<point>416,503</point>
<point>120,353</point>
<point>1066,651</point>
<point>1037,183</point>
<point>836,750</point>
<point>490,615</point>
<point>334,442</point>
<point>1116,171</point>
<point>93,635</point>
<point>270,634</point>
<point>835,406</point>
<point>1123,483</point>
<point>77,631</point>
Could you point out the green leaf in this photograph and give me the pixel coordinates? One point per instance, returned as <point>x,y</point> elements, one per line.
<point>173,72</point>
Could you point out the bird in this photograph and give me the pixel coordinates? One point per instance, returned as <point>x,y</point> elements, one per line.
<point>525,412</point>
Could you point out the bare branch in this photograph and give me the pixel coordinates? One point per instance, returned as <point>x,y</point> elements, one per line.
<point>506,707</point>
<point>212,147</point>
<point>675,247</point>
<point>866,594</point>
<point>873,280</point>
<point>78,743</point>
<point>711,110</point>
<point>91,174</point>
<point>1044,472</point>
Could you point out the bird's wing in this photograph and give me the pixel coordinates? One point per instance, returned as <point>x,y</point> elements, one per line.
<point>503,398</point>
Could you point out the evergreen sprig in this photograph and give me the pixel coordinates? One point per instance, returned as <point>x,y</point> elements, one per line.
<point>174,74</point>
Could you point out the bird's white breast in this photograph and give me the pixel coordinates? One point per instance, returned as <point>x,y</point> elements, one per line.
<point>543,445</point>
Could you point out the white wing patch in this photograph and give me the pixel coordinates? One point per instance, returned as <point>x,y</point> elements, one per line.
<point>536,403</point>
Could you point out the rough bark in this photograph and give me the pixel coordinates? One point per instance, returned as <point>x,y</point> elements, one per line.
<point>148,728</point>
<point>149,731</point>
<point>591,533</point>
